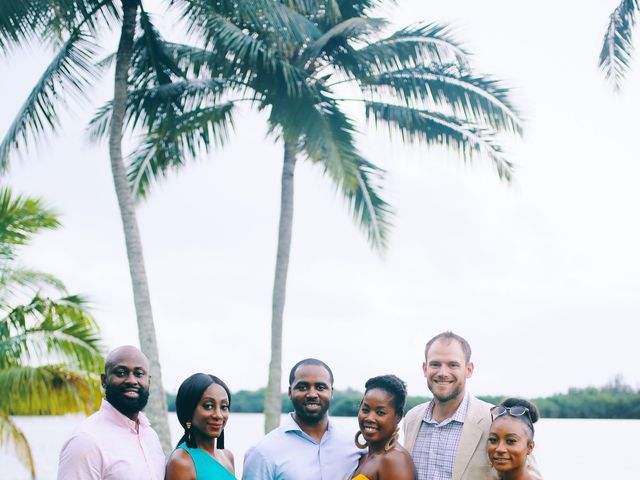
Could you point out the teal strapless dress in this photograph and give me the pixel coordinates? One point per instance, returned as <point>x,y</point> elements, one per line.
<point>207,467</point>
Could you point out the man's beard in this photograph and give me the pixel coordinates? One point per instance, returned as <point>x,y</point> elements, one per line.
<point>126,405</point>
<point>454,393</point>
<point>310,418</point>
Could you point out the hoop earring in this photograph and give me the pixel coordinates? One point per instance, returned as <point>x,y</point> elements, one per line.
<point>358,444</point>
<point>392,441</point>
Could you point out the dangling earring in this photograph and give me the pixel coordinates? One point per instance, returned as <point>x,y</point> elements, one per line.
<point>392,440</point>
<point>188,429</point>
<point>358,444</point>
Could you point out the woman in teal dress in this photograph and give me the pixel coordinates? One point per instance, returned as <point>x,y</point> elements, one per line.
<point>202,405</point>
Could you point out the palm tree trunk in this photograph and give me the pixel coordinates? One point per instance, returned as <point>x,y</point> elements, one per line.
<point>157,406</point>
<point>273,395</point>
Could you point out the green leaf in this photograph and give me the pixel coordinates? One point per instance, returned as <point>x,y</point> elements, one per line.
<point>481,100</point>
<point>617,46</point>
<point>434,128</point>
<point>11,435</point>
<point>175,141</point>
<point>48,390</point>
<point>71,72</point>
<point>328,140</point>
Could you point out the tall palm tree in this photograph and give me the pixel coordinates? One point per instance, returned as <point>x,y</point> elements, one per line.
<point>294,59</point>
<point>73,26</point>
<point>617,45</point>
<point>49,347</point>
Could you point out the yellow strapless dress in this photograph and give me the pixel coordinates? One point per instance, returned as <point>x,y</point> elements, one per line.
<point>359,477</point>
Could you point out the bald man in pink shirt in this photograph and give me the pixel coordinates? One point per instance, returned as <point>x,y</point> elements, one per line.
<point>117,442</point>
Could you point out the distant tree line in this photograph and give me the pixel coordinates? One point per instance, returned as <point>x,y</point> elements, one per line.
<point>614,400</point>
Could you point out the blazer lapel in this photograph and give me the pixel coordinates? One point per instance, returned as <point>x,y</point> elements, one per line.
<point>471,435</point>
<point>412,428</point>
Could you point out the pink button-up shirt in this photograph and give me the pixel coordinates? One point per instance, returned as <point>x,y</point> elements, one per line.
<point>107,445</point>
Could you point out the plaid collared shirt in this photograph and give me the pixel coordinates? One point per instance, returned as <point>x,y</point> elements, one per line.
<point>437,443</point>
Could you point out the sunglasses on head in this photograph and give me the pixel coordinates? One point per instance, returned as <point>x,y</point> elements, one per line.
<point>516,411</point>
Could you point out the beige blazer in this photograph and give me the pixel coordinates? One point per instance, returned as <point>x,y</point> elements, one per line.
<point>471,461</point>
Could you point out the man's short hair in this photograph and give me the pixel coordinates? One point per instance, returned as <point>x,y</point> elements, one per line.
<point>309,361</point>
<point>448,336</point>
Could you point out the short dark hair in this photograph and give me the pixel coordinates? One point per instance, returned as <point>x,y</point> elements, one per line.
<point>528,420</point>
<point>448,336</point>
<point>309,361</point>
<point>187,398</point>
<point>393,386</point>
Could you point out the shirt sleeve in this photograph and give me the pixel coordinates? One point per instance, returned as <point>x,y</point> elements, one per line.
<point>257,467</point>
<point>80,459</point>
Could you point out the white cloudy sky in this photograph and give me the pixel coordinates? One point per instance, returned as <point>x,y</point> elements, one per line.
<point>542,276</point>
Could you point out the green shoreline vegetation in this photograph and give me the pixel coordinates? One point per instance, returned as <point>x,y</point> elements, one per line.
<point>615,400</point>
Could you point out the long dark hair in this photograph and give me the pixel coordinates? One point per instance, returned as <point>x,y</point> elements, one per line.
<point>189,394</point>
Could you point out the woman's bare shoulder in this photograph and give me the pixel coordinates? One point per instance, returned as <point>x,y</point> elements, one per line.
<point>397,464</point>
<point>180,466</point>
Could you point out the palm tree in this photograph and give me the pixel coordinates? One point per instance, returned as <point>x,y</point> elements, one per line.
<point>295,59</point>
<point>73,27</point>
<point>49,347</point>
<point>617,45</point>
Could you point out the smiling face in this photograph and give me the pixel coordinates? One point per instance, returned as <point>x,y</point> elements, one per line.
<point>310,393</point>
<point>508,444</point>
<point>446,370</point>
<point>126,381</point>
<point>211,413</point>
<point>377,418</point>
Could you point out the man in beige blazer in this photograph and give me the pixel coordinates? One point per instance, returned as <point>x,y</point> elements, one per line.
<point>447,436</point>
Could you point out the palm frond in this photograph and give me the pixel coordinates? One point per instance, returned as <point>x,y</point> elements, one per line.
<point>71,72</point>
<point>357,8</point>
<point>617,46</point>
<point>433,128</point>
<point>152,62</point>
<point>11,435</point>
<point>98,127</point>
<point>22,22</point>
<point>409,47</point>
<point>21,217</point>
<point>47,329</point>
<point>176,141</point>
<point>149,106</point>
<point>16,282</point>
<point>349,29</point>
<point>233,26</point>
<point>48,390</point>
<point>328,140</point>
<point>480,99</point>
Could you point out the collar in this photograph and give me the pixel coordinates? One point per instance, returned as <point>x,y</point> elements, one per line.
<point>117,417</point>
<point>458,416</point>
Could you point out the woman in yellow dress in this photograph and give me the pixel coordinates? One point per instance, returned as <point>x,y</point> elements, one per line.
<point>380,413</point>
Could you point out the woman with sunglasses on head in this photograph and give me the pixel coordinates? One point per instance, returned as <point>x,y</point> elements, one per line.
<point>510,440</point>
<point>202,405</point>
<point>380,413</point>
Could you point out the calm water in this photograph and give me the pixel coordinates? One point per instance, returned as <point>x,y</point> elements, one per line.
<point>565,449</point>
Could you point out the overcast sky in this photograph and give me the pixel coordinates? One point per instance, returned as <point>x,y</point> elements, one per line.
<point>542,276</point>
